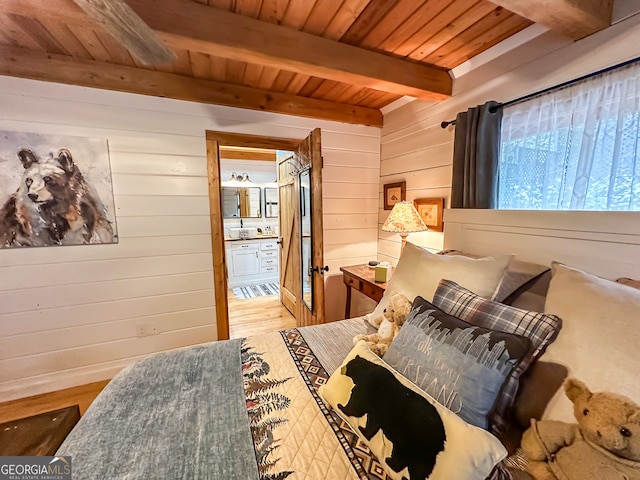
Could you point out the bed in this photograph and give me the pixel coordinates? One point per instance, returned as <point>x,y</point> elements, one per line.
<point>253,408</point>
<point>238,409</point>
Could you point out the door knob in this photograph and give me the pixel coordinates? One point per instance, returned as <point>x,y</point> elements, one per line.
<point>320,270</point>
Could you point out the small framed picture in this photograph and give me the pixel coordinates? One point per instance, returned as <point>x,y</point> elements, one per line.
<point>430,210</point>
<point>394,193</point>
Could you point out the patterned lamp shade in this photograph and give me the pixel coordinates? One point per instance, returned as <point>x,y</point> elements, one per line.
<point>404,218</point>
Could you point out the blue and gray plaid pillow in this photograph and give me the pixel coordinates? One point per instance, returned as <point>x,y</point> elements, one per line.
<point>541,328</point>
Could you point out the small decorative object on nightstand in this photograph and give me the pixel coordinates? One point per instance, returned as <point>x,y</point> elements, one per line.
<point>362,278</point>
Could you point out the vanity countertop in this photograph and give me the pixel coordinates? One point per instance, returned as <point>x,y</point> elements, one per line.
<point>257,237</point>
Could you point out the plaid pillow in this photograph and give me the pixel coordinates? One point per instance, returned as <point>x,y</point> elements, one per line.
<point>541,328</point>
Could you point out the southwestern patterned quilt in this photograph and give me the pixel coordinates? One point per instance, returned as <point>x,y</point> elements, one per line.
<point>241,409</point>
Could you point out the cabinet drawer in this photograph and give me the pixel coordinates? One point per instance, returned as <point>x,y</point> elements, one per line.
<point>269,254</point>
<point>269,245</point>
<point>372,291</point>
<point>269,269</point>
<point>352,282</point>
<point>244,246</point>
<point>266,262</point>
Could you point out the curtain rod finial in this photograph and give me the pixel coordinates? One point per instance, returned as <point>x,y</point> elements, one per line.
<point>446,124</point>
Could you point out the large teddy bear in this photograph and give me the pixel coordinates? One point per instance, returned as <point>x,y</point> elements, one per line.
<point>388,324</point>
<point>603,445</point>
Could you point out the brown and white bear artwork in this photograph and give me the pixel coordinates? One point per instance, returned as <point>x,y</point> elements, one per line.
<point>53,205</point>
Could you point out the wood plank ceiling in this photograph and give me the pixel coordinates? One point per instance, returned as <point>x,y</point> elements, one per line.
<point>441,33</point>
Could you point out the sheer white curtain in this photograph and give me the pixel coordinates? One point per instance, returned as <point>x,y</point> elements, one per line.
<point>575,148</point>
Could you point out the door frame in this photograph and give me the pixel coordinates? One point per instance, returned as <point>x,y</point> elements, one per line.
<point>215,140</point>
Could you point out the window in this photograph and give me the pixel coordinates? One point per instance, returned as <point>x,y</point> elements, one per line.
<point>576,148</point>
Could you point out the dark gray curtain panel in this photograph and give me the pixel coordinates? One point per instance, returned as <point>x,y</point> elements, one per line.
<point>476,149</point>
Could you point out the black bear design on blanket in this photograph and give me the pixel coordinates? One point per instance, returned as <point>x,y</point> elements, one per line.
<point>411,424</point>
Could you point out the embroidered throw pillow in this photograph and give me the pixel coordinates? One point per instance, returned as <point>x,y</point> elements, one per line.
<point>542,329</point>
<point>412,435</point>
<point>462,366</point>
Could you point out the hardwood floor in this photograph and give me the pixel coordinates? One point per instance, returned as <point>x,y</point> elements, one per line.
<point>257,316</point>
<point>26,407</point>
<point>246,318</point>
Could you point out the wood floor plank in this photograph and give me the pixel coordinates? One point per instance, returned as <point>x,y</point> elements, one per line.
<point>257,316</point>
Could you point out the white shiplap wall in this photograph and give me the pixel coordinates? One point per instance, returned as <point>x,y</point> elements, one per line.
<point>68,315</point>
<point>416,149</point>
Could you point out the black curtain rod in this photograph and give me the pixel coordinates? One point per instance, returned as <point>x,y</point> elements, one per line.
<point>568,83</point>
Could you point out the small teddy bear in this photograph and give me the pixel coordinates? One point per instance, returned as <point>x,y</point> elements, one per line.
<point>604,444</point>
<point>389,324</point>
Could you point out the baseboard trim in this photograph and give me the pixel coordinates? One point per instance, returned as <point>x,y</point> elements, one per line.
<point>51,382</point>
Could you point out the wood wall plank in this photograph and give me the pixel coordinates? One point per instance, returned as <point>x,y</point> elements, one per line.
<point>99,332</point>
<point>25,300</point>
<point>43,275</point>
<point>129,184</point>
<point>347,174</point>
<point>162,225</point>
<point>154,205</point>
<point>53,361</point>
<point>129,247</point>
<point>356,190</point>
<point>71,316</point>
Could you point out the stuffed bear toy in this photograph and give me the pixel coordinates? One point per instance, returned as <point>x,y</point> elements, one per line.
<point>388,324</point>
<point>603,445</point>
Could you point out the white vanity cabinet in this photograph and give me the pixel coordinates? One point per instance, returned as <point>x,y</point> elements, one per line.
<point>245,259</point>
<point>252,261</point>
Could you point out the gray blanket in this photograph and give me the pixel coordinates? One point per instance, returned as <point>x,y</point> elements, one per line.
<point>172,416</point>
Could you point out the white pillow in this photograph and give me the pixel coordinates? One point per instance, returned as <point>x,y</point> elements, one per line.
<point>407,426</point>
<point>419,272</point>
<point>600,334</point>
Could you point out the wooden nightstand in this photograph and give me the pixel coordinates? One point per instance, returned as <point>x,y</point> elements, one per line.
<point>361,277</point>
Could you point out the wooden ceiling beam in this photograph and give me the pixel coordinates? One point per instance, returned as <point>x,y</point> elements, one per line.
<point>129,30</point>
<point>192,26</point>
<point>259,154</point>
<point>573,18</point>
<point>23,63</point>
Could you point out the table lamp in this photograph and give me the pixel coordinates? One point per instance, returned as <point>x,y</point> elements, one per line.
<point>404,219</point>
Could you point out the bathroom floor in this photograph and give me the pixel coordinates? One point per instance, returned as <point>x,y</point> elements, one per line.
<point>257,316</point>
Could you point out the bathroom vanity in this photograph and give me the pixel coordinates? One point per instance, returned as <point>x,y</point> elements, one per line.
<point>252,260</point>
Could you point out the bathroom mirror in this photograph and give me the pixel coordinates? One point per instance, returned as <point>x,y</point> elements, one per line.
<point>271,202</point>
<point>241,202</point>
<point>305,241</point>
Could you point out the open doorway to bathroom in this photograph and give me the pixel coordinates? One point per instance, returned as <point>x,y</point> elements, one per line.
<point>250,211</point>
<point>300,224</point>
